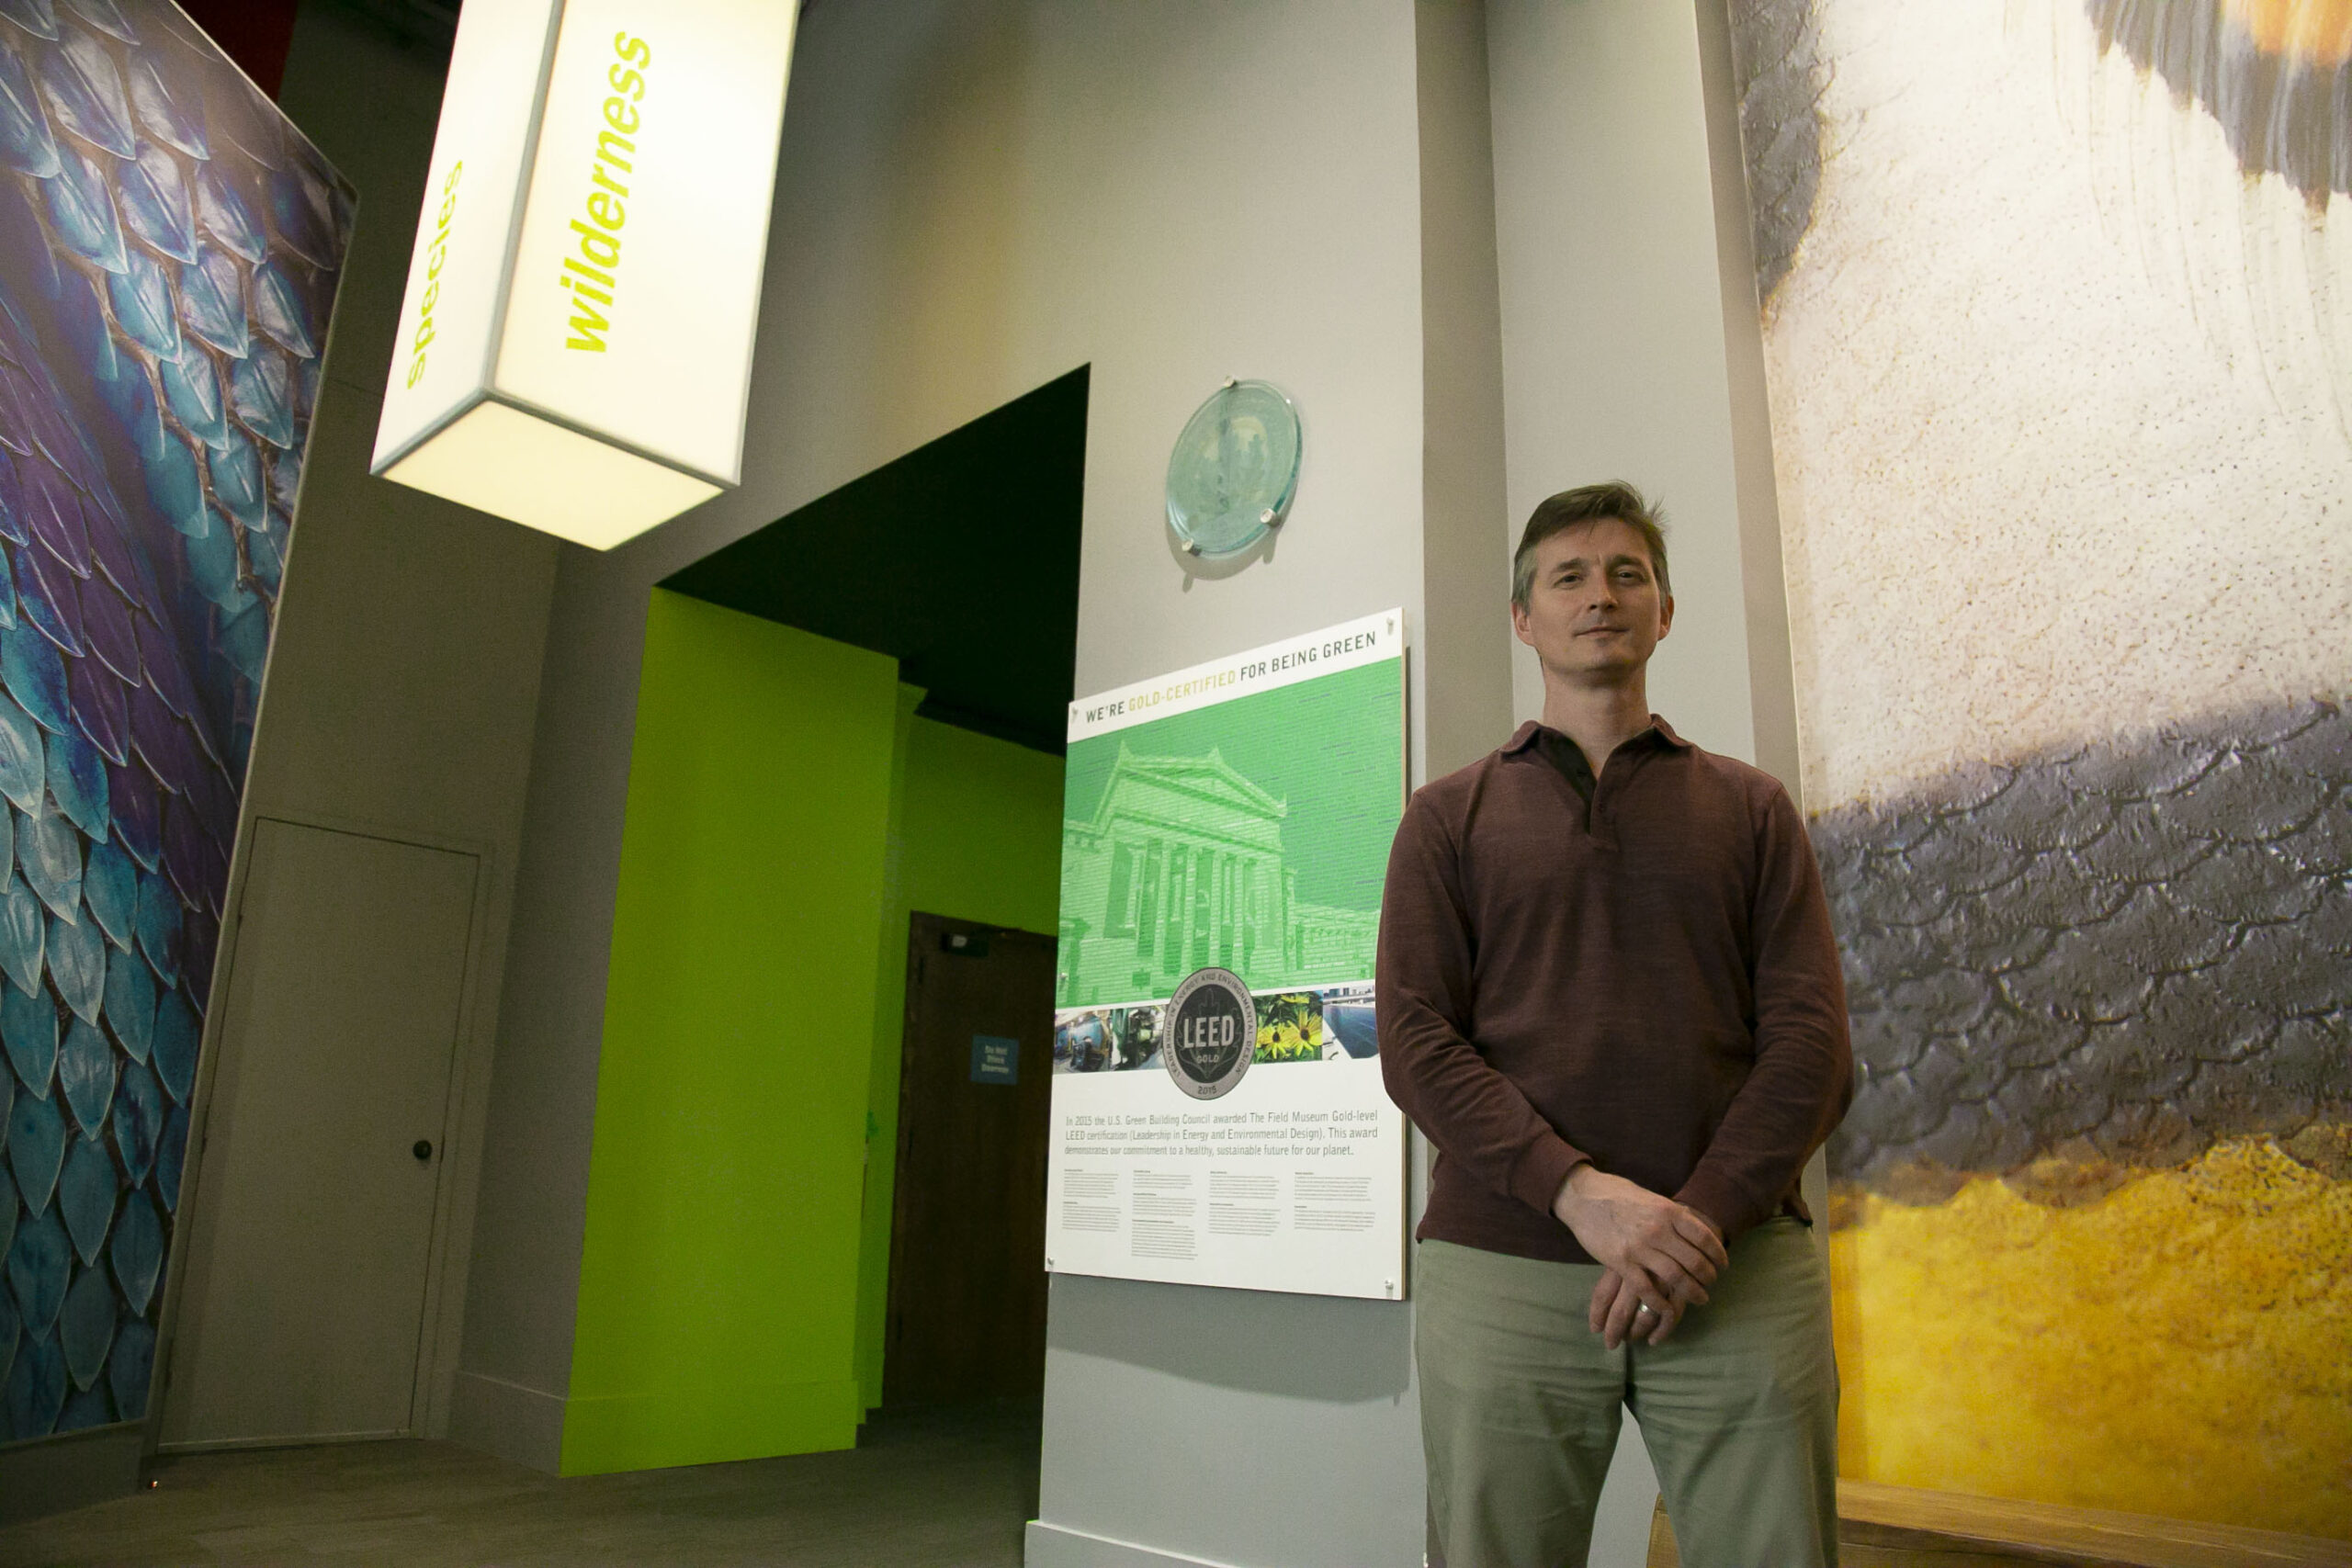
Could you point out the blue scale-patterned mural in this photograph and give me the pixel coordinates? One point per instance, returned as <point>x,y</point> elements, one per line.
<point>169,249</point>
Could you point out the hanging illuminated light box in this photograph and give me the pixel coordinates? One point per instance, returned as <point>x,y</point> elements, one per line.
<point>575,344</point>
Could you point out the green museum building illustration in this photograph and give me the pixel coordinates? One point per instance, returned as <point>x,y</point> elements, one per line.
<point>1183,865</point>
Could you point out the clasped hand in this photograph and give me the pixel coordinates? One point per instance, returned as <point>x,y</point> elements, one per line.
<point>1654,1252</point>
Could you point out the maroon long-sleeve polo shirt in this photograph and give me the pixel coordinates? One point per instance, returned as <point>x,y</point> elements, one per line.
<point>1647,981</point>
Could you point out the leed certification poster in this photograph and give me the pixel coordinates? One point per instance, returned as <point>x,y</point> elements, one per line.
<point>1218,1115</point>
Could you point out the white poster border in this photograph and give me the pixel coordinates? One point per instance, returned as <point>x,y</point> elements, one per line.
<point>1368,640</point>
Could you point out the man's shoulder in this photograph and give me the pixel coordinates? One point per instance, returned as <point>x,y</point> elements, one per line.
<point>1451,796</point>
<point>1735,802</point>
<point>1745,779</point>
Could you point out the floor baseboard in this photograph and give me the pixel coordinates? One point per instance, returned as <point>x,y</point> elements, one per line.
<point>53,1474</point>
<point>494,1417</point>
<point>1058,1546</point>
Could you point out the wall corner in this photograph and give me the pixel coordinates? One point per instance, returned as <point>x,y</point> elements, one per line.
<point>1772,676</point>
<point>1464,679</point>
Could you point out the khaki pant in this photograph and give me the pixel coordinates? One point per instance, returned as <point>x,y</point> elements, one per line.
<point>1521,1403</point>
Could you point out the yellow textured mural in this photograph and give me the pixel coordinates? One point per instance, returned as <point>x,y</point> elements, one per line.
<point>2181,1346</point>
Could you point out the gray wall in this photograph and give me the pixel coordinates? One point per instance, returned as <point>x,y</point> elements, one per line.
<point>1465,553</point>
<point>975,198</point>
<point>405,668</point>
<point>1616,319</point>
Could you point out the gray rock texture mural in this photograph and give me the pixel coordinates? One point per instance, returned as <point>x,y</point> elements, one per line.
<point>2120,954</point>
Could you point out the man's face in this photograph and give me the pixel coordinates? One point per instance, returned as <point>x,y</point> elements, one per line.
<point>1594,613</point>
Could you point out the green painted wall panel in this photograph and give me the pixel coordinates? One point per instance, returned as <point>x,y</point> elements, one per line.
<point>977,835</point>
<point>719,1280</point>
<point>982,829</point>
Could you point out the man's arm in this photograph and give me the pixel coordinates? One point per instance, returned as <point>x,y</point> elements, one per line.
<point>1479,1118</point>
<point>1476,1116</point>
<point>1804,1076</point>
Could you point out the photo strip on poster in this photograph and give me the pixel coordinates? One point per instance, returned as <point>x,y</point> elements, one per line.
<point>1218,1113</point>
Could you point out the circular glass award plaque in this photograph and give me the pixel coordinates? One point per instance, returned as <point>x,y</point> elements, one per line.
<point>1235,469</point>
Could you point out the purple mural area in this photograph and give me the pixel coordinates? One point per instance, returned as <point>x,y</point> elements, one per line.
<point>169,250</point>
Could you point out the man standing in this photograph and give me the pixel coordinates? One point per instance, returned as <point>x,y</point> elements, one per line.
<point>1610,996</point>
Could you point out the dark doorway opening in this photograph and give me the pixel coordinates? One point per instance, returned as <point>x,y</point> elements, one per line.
<point>967,1239</point>
<point>960,560</point>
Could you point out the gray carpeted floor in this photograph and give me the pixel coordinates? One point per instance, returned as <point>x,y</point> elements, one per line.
<point>938,1488</point>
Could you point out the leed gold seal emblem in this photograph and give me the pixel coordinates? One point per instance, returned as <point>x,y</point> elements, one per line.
<point>1211,1034</point>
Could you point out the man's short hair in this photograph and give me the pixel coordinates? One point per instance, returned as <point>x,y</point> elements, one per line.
<point>1574,509</point>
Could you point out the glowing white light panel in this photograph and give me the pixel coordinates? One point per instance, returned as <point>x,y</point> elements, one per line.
<point>575,344</point>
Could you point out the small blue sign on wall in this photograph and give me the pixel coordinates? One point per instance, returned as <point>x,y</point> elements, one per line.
<point>995,1059</point>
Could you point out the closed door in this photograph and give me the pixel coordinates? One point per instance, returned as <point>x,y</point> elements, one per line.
<point>968,1238</point>
<point>305,1289</point>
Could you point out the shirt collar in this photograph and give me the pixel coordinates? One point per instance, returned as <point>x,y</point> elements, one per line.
<point>1663,732</point>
